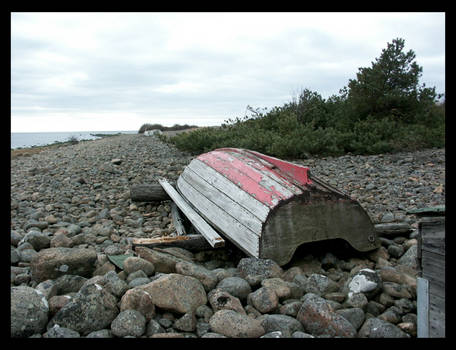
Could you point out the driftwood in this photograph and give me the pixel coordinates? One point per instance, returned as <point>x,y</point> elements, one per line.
<point>148,193</point>
<point>189,242</point>
<point>177,220</point>
<point>197,221</point>
<point>393,229</point>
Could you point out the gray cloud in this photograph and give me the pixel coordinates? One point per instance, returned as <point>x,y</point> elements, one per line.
<point>195,68</point>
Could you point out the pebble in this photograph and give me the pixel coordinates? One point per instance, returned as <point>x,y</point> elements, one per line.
<point>128,322</point>
<point>387,185</point>
<point>70,208</point>
<point>222,300</point>
<point>235,325</point>
<point>236,286</point>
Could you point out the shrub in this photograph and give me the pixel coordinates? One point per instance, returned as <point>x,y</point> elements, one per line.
<point>383,110</point>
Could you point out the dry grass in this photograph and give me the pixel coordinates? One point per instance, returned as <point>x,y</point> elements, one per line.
<point>27,152</point>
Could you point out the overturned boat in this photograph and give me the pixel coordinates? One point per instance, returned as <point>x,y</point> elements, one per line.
<point>268,207</point>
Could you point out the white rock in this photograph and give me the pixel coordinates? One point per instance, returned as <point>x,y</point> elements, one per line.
<point>361,284</point>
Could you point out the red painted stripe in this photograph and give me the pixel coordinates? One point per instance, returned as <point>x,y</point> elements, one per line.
<point>254,162</point>
<point>243,176</point>
<point>297,172</point>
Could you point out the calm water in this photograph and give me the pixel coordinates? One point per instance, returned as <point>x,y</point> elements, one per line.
<point>29,139</point>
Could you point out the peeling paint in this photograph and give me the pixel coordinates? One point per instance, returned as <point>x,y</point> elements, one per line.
<point>249,179</point>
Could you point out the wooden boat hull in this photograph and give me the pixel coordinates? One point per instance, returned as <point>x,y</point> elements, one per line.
<point>268,207</point>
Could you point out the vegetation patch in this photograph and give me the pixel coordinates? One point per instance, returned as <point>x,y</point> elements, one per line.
<point>384,109</point>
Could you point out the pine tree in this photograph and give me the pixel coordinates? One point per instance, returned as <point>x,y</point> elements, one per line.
<point>390,87</point>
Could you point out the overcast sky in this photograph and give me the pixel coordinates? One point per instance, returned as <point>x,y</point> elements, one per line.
<point>117,71</point>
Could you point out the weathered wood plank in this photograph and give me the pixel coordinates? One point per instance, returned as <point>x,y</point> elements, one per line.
<point>431,246</point>
<point>422,307</point>
<point>264,180</point>
<point>433,264</point>
<point>219,198</point>
<point>298,173</point>
<point>265,166</point>
<point>246,178</point>
<point>148,193</point>
<point>189,242</point>
<point>198,222</point>
<point>437,304</point>
<point>177,220</point>
<point>217,180</point>
<point>436,288</point>
<point>393,229</point>
<point>432,227</point>
<point>438,210</point>
<point>436,284</point>
<point>260,166</point>
<point>246,239</point>
<point>436,316</point>
<point>299,222</point>
<point>434,245</point>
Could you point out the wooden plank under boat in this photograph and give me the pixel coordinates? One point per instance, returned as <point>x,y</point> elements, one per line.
<point>268,207</point>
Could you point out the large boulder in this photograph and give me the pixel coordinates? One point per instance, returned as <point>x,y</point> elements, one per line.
<point>162,261</point>
<point>92,309</point>
<point>220,299</point>
<point>52,263</point>
<point>205,276</point>
<point>134,263</point>
<point>319,318</point>
<point>254,270</point>
<point>176,292</point>
<point>61,332</point>
<point>355,315</point>
<point>236,286</point>
<point>264,299</point>
<point>29,312</point>
<point>410,257</point>
<point>129,323</point>
<point>320,285</point>
<point>235,325</point>
<point>138,299</point>
<point>377,328</point>
<point>283,323</point>
<point>37,239</point>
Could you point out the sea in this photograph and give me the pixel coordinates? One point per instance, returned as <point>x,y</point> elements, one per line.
<point>30,139</point>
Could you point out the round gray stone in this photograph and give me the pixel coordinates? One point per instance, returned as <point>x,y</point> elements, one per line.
<point>29,312</point>
<point>236,286</point>
<point>129,323</point>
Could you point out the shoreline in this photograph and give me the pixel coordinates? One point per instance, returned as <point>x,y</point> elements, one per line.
<point>56,144</point>
<point>28,151</point>
<point>75,203</point>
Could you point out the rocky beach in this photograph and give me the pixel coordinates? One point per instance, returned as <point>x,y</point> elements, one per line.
<point>71,210</point>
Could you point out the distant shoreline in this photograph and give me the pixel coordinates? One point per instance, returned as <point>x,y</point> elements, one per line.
<point>20,140</point>
<point>28,151</point>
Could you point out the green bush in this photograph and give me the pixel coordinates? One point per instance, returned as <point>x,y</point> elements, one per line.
<point>383,110</point>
